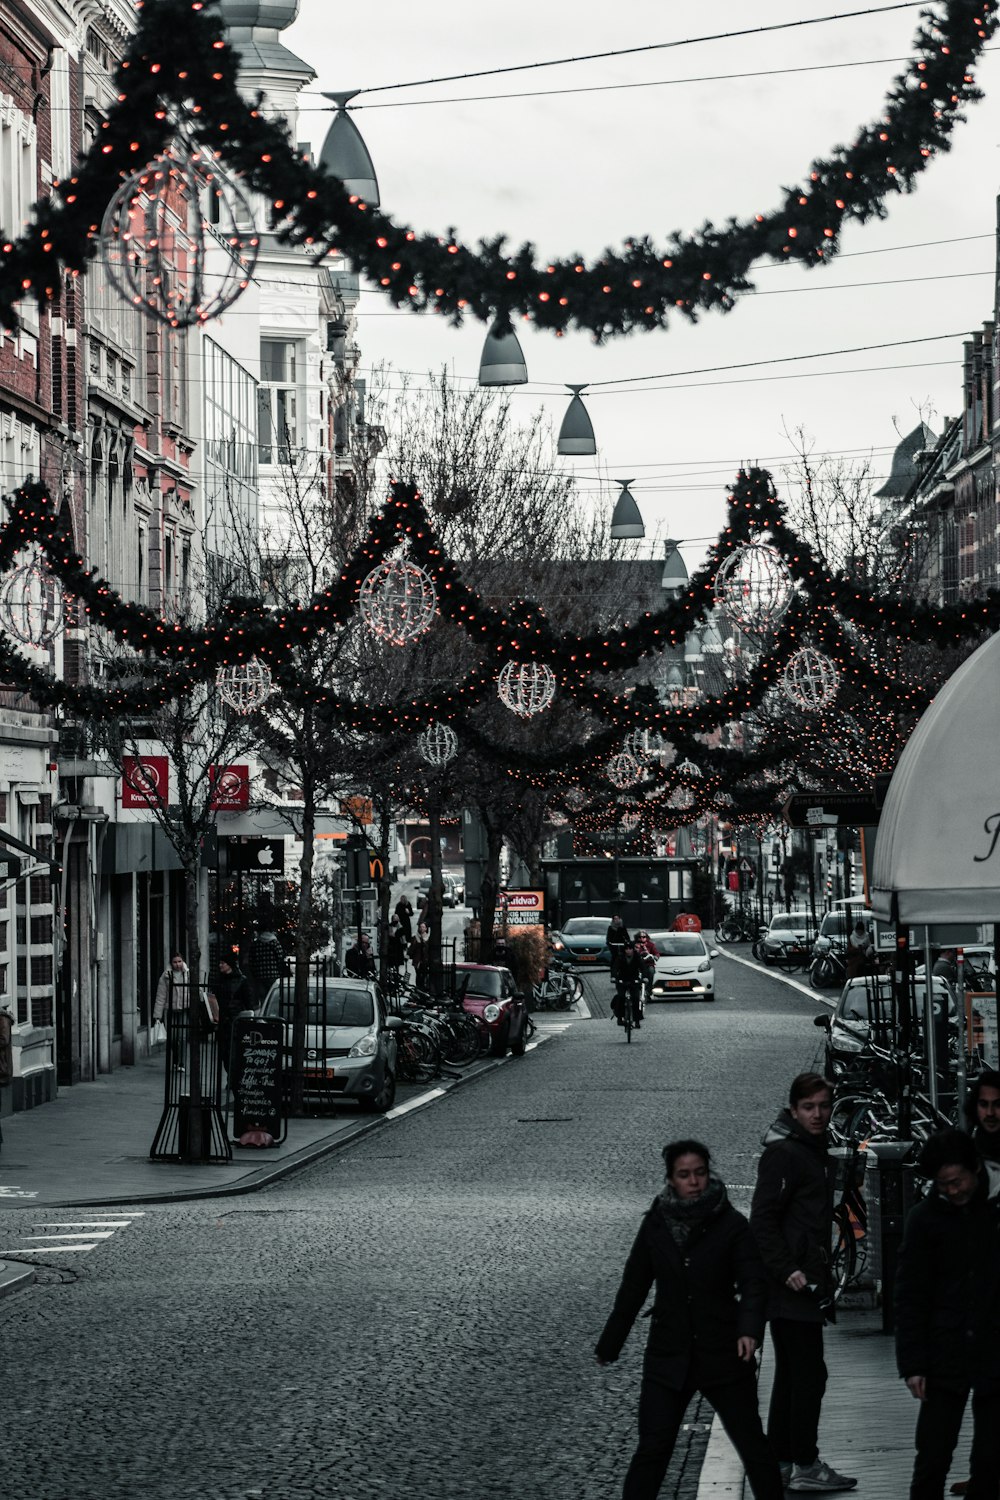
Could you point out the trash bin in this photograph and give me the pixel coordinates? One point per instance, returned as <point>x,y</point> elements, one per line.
<point>894,1191</point>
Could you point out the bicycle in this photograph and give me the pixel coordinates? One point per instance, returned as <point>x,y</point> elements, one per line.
<point>736,927</point>
<point>557,991</point>
<point>624,1001</point>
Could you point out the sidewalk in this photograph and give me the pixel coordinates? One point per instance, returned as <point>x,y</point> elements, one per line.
<point>91,1144</point>
<point>869,1417</point>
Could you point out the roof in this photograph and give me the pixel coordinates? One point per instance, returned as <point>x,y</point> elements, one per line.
<point>904,467</point>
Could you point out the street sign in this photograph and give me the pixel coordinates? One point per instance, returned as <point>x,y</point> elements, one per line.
<point>366,893</point>
<point>833,809</point>
<point>746,866</point>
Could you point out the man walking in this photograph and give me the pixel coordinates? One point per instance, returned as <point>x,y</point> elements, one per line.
<point>792,1220</point>
<point>948,1314</point>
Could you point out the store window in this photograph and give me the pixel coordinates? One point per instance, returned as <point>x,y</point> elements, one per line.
<point>278,399</point>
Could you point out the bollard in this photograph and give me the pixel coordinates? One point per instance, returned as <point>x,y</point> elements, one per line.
<point>895,1198</point>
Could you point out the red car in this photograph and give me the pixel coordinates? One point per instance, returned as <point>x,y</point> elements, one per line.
<point>491,994</point>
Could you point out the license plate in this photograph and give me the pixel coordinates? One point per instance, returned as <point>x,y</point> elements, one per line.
<point>318,1072</point>
<point>585,958</point>
<point>678,984</point>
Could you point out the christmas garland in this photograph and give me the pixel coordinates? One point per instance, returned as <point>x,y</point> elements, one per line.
<point>180,65</point>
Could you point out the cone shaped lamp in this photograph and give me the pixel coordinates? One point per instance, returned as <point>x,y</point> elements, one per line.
<point>675,573</point>
<point>626,520</point>
<point>576,435</point>
<point>345,154</point>
<point>502,362</point>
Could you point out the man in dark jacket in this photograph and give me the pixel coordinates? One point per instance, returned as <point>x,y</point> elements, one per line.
<point>792,1220</point>
<point>628,984</point>
<point>948,1314</point>
<point>359,960</point>
<point>616,938</point>
<point>232,992</point>
<point>982,1110</point>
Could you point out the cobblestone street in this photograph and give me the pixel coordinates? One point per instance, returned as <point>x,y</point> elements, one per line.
<point>414,1315</point>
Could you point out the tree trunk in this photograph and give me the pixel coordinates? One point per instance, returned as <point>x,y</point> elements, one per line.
<point>195,1135</point>
<point>488,893</point>
<point>300,1007</point>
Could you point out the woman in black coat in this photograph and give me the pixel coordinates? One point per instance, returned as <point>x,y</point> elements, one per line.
<point>706,1323</point>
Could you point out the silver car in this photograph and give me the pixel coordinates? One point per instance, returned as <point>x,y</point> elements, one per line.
<point>350,1048</point>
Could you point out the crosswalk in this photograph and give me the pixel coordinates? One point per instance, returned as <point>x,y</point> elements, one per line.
<point>74,1236</point>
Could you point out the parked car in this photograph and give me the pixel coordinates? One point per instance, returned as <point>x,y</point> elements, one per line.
<point>449,890</point>
<point>789,935</point>
<point>838,924</point>
<point>490,993</point>
<point>863,1012</point>
<point>684,967</point>
<point>582,941</point>
<point>350,1047</point>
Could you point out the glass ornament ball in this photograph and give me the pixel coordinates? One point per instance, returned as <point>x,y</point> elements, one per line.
<point>623,770</point>
<point>690,770</point>
<point>31,606</point>
<point>681,798</point>
<point>526,687</point>
<point>438,744</point>
<point>398,602</point>
<point>179,239</point>
<point>754,587</point>
<point>810,680</point>
<point>245,685</point>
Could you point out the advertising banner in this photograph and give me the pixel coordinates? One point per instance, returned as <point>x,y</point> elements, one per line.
<point>230,788</point>
<point>521,908</point>
<point>145,781</point>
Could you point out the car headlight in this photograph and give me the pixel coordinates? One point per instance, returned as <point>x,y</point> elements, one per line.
<point>704,968</point>
<point>367,1046</point>
<point>558,946</point>
<point>491,1013</point>
<point>846,1041</point>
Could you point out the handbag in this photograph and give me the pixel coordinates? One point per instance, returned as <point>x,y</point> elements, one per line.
<point>158,1035</point>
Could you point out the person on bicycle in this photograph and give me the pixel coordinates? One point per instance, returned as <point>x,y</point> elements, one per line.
<point>706,1325</point>
<point>628,985</point>
<point>617,937</point>
<point>648,954</point>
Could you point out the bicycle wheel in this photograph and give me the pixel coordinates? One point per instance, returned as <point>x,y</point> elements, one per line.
<point>843,1249</point>
<point>628,1021</point>
<point>728,930</point>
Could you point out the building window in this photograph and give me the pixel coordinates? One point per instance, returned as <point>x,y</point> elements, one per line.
<point>277,400</point>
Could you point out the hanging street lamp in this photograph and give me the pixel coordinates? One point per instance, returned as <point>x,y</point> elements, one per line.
<point>626,520</point>
<point>502,362</point>
<point>576,435</point>
<point>675,574</point>
<point>345,154</point>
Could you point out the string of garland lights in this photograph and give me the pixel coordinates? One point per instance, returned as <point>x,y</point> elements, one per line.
<point>179,67</point>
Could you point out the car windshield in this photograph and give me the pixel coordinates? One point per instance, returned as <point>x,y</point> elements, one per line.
<point>335,1007</point>
<point>836,924</point>
<point>481,982</point>
<point>789,922</point>
<point>680,945</point>
<point>860,1002</point>
<point>586,926</point>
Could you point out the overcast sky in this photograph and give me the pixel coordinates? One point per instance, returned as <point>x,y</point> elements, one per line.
<point>579,171</point>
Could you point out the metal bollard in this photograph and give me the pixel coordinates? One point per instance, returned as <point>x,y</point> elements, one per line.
<point>894,1200</point>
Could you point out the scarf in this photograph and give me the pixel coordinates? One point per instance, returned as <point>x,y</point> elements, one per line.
<point>685,1215</point>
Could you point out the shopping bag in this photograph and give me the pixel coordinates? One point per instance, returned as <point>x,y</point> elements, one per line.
<point>158,1035</point>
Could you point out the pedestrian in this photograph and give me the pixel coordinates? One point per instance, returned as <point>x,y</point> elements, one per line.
<point>232,995</point>
<point>404,915</point>
<point>706,1324</point>
<point>628,985</point>
<point>266,963</point>
<point>615,939</point>
<point>946,966</point>
<point>792,1219</point>
<point>860,950</point>
<point>948,1314</point>
<point>420,956</point>
<point>172,990</point>
<point>359,960</point>
<point>982,1111</point>
<point>396,946</point>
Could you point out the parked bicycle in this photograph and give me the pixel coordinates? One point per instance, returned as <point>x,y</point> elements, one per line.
<point>737,927</point>
<point>560,988</point>
<point>828,970</point>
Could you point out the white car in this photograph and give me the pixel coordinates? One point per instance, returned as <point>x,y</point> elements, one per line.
<point>684,967</point>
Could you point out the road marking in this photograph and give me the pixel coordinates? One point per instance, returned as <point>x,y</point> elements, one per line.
<point>91,1234</point>
<point>87,1223</point>
<point>54,1249</point>
<point>69,1231</point>
<point>803,989</point>
<point>18,1192</point>
<point>404,1109</point>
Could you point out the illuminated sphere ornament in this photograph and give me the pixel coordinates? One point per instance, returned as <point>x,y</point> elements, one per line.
<point>179,239</point>
<point>526,687</point>
<point>810,680</point>
<point>631,820</point>
<point>754,587</point>
<point>398,601</point>
<point>31,606</point>
<point>623,770</point>
<point>245,685</point>
<point>438,744</point>
<point>689,769</point>
<point>575,798</point>
<point>637,744</point>
<point>681,798</point>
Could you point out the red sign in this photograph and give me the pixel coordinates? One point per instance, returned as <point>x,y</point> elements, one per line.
<point>522,908</point>
<point>145,780</point>
<point>230,788</point>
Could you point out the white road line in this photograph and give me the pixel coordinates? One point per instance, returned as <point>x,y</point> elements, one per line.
<point>86,1224</point>
<point>404,1109</point>
<point>583,1009</point>
<point>55,1249</point>
<point>794,984</point>
<point>18,1192</point>
<point>91,1234</point>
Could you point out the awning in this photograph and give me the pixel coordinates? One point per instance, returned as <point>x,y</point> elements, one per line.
<point>938,844</point>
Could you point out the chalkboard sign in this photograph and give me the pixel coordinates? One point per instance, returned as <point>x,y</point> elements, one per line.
<point>255,1076</point>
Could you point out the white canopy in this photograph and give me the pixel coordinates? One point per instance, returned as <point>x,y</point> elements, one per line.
<point>938,844</point>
